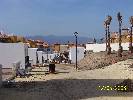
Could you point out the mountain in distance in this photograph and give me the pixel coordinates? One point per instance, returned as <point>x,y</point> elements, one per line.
<point>61,39</point>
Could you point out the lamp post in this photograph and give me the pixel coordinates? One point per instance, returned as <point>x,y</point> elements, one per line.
<point>76,33</point>
<point>119,17</point>
<point>107,23</point>
<point>130,42</point>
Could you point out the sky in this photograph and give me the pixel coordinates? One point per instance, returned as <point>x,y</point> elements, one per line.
<point>62,17</point>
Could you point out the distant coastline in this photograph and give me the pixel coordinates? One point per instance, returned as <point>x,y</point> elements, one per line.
<point>62,39</point>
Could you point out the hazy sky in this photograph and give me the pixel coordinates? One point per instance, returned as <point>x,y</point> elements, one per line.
<point>62,17</point>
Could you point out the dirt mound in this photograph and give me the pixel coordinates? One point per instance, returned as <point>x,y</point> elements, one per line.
<point>101,59</point>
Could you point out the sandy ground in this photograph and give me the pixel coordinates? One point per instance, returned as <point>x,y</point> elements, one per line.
<point>69,84</point>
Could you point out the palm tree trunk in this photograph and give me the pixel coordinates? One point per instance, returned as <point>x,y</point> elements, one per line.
<point>106,37</point>
<point>130,45</point>
<point>109,48</point>
<point>120,47</point>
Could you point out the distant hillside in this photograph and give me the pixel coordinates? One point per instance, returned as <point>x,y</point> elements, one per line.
<point>61,39</point>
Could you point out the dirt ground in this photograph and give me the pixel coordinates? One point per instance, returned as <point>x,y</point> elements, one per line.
<point>69,84</point>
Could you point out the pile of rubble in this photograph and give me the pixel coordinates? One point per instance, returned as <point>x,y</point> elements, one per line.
<point>101,59</point>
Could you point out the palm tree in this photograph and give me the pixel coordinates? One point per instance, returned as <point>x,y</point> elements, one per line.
<point>119,17</point>
<point>108,21</point>
<point>105,24</point>
<point>130,43</point>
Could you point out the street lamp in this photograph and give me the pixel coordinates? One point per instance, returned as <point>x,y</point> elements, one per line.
<point>107,23</point>
<point>130,43</point>
<point>76,33</point>
<point>119,17</point>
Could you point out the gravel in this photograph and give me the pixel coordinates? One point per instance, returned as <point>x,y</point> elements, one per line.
<point>101,59</point>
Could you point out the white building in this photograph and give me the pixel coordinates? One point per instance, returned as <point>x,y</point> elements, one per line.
<point>80,54</point>
<point>11,53</point>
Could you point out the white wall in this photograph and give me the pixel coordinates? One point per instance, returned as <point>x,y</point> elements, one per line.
<point>32,54</point>
<point>80,54</point>
<point>102,47</point>
<point>12,52</point>
<point>96,47</point>
<point>50,56</point>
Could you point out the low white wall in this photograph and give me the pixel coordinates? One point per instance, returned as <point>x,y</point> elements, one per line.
<point>50,56</point>
<point>12,52</point>
<point>102,47</point>
<point>0,75</point>
<point>32,54</point>
<point>80,54</point>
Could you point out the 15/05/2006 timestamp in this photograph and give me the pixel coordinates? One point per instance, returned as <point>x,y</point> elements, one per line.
<point>110,88</point>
